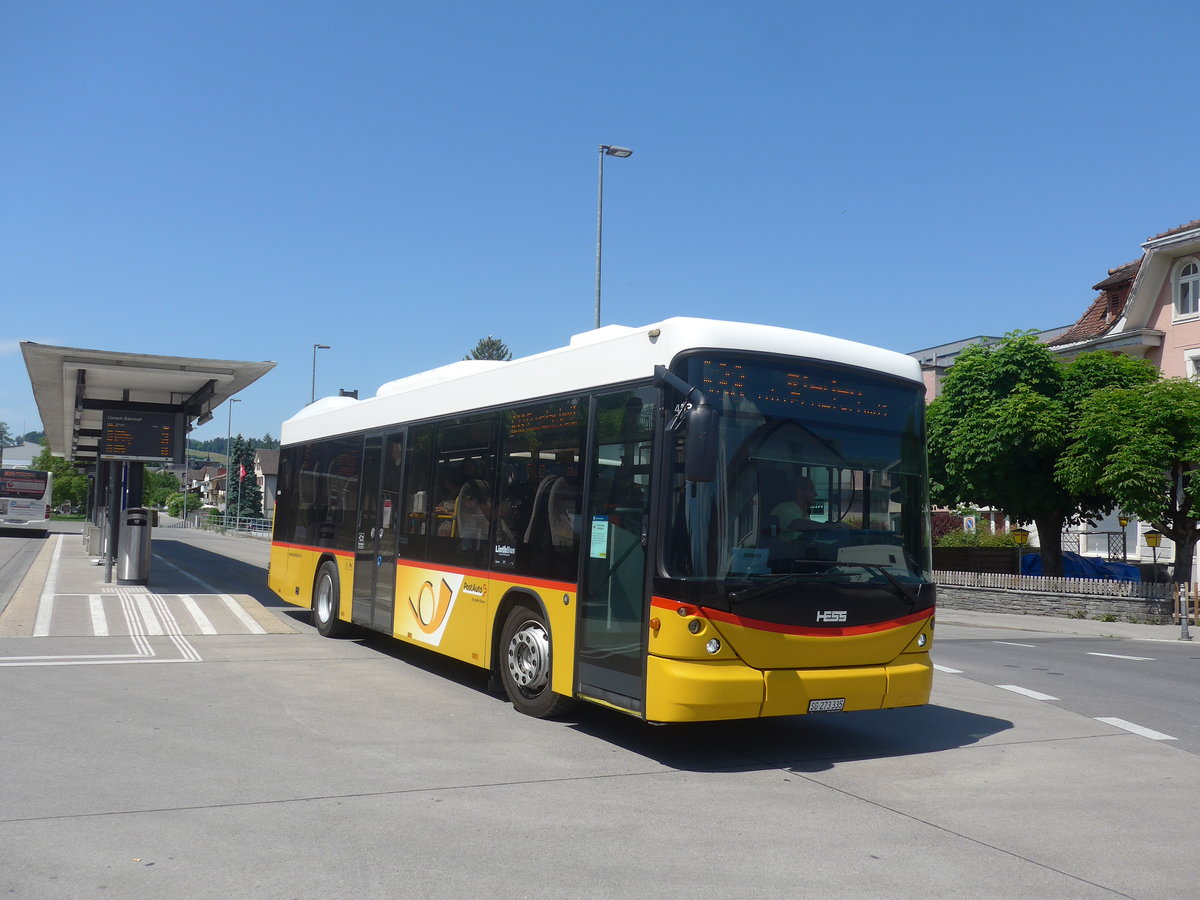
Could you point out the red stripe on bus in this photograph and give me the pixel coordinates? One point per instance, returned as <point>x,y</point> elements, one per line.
<point>493,575</point>
<point>415,564</point>
<point>806,630</point>
<point>346,553</point>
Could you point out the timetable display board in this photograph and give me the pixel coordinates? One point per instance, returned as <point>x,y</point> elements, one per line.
<point>142,436</point>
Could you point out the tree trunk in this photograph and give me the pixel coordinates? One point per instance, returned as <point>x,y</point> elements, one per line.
<point>1050,542</point>
<point>1185,549</point>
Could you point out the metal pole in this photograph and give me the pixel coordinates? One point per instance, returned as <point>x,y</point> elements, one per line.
<point>1184,634</point>
<point>228,457</point>
<point>599,229</point>
<point>313,396</point>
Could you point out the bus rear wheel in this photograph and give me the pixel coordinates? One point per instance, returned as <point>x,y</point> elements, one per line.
<point>525,656</point>
<point>326,594</point>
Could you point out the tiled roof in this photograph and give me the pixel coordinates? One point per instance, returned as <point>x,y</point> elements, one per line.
<point>1106,309</point>
<point>1178,229</point>
<point>1119,274</point>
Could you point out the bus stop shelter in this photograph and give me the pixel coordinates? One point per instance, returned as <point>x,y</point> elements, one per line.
<point>112,412</point>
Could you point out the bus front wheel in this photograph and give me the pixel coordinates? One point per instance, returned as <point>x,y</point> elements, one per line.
<point>525,665</point>
<point>325,606</point>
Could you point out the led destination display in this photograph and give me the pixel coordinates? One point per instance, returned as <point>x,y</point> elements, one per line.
<point>141,436</point>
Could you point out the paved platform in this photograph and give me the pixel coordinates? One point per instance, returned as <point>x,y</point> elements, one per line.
<point>64,594</point>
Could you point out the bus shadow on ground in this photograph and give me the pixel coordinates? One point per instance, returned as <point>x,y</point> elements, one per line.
<point>801,744</point>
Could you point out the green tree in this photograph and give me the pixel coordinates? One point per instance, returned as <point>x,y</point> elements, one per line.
<point>157,485</point>
<point>1001,424</point>
<point>70,486</point>
<point>6,436</point>
<point>174,504</point>
<point>490,348</point>
<point>242,495</point>
<point>1141,445</point>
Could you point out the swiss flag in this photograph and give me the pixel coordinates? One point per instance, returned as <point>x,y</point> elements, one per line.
<point>242,473</point>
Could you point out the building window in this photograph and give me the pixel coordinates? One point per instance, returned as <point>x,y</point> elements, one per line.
<point>1187,288</point>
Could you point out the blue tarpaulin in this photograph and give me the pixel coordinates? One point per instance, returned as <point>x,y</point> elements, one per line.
<point>1076,566</point>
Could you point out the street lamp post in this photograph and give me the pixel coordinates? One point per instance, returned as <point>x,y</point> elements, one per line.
<point>1021,536</point>
<point>619,153</point>
<point>316,347</point>
<point>229,456</point>
<point>1153,539</point>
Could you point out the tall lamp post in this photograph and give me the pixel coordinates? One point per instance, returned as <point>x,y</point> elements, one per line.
<point>316,347</point>
<point>229,456</point>
<point>619,153</point>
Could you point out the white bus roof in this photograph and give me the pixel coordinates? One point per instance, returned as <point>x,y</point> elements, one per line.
<point>609,355</point>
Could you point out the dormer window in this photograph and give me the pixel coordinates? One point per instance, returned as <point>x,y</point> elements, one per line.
<point>1187,288</point>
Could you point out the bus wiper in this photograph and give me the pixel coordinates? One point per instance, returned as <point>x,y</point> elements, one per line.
<point>757,590</point>
<point>909,597</point>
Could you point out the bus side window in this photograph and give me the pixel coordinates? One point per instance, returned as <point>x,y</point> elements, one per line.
<point>464,477</point>
<point>416,494</point>
<point>537,530</point>
<point>339,500</point>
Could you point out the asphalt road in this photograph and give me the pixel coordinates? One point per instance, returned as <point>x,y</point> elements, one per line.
<point>287,765</point>
<point>1148,683</point>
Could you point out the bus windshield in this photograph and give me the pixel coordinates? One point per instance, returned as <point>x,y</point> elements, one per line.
<point>820,478</point>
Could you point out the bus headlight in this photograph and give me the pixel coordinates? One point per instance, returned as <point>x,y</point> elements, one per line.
<point>922,640</point>
<point>713,646</point>
<point>695,626</point>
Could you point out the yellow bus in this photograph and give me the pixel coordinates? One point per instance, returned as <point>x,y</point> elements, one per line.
<point>693,520</point>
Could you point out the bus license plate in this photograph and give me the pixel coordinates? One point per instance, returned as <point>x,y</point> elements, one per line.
<point>834,705</point>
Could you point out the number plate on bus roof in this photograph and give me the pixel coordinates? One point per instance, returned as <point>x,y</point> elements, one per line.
<point>836,704</point>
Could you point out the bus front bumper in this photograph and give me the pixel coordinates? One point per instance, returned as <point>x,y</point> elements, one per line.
<point>683,690</point>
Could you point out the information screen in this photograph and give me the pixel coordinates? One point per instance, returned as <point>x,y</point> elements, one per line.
<point>142,436</point>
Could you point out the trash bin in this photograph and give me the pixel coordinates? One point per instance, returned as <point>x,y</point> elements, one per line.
<point>133,547</point>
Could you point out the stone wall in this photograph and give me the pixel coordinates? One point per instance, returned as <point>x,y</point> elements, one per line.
<point>1076,606</point>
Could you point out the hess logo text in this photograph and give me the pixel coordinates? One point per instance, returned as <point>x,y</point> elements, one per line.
<point>831,615</point>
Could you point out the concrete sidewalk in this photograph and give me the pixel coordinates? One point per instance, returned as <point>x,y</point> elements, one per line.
<point>1061,626</point>
<point>62,569</point>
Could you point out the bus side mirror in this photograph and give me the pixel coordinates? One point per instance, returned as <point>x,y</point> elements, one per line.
<point>700,445</point>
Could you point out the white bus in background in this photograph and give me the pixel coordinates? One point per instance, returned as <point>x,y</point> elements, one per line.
<point>25,498</point>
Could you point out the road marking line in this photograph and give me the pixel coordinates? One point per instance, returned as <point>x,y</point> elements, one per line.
<point>202,621</point>
<point>1014,644</point>
<point>947,669</point>
<point>173,631</point>
<point>1017,689</point>
<point>1136,729</point>
<point>234,607</point>
<point>99,623</point>
<point>1119,656</point>
<point>12,660</point>
<point>244,617</point>
<point>150,620</point>
<point>84,661</point>
<point>41,625</point>
<point>140,644</point>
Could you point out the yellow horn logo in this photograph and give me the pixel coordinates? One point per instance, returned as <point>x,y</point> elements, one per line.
<point>431,611</point>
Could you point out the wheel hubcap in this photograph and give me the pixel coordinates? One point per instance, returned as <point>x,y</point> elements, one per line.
<point>324,600</point>
<point>529,658</point>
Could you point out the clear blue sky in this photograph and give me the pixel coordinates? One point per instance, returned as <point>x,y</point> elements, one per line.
<point>243,180</point>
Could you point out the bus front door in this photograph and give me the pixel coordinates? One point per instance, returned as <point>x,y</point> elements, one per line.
<point>611,640</point>
<point>375,539</point>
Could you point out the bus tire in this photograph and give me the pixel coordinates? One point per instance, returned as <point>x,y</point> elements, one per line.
<point>525,664</point>
<point>326,602</point>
